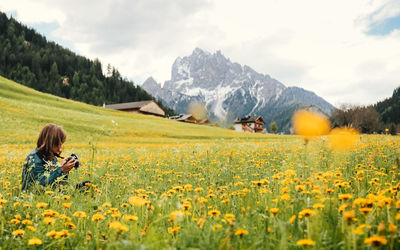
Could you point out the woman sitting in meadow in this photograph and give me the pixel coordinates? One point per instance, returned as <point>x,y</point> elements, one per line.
<point>41,165</point>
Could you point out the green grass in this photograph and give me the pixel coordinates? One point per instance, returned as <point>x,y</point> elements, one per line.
<point>207,169</point>
<point>25,111</point>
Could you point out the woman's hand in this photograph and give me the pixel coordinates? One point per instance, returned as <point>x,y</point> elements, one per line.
<point>67,166</point>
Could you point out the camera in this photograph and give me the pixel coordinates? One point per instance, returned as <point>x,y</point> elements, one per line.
<point>74,156</point>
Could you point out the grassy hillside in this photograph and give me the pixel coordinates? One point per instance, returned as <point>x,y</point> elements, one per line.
<point>25,111</point>
<point>161,184</point>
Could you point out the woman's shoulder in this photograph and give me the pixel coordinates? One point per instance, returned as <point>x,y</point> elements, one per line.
<point>33,156</point>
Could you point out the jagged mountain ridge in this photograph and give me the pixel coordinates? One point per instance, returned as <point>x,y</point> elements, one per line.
<point>230,90</point>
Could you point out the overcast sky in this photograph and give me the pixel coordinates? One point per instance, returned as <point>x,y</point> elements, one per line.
<point>346,51</point>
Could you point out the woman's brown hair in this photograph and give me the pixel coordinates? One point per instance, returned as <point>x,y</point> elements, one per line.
<point>50,136</point>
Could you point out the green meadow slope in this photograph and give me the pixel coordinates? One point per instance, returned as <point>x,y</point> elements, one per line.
<point>24,112</point>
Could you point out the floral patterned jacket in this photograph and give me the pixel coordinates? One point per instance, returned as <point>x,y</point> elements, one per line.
<point>37,170</point>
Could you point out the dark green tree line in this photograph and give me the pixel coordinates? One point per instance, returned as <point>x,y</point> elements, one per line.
<point>28,58</point>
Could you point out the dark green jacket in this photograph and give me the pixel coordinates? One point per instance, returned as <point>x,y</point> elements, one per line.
<point>37,170</point>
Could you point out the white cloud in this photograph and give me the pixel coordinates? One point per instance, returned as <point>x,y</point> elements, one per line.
<point>320,45</point>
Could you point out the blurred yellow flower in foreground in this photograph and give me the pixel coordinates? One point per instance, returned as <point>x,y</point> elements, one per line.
<point>343,138</point>
<point>309,123</point>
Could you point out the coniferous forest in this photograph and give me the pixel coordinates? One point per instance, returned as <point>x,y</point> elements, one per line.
<point>28,58</point>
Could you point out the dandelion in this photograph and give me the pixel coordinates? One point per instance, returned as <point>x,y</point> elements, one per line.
<point>137,201</point>
<point>274,210</point>
<point>70,225</point>
<point>175,215</point>
<point>305,242</point>
<point>80,215</point>
<point>49,220</point>
<point>130,217</point>
<point>18,232</point>
<point>172,230</point>
<point>376,241</point>
<point>118,226</point>
<point>309,123</point>
<point>343,138</point>
<point>349,216</point>
<point>97,217</point>
<point>345,196</point>
<point>241,232</point>
<point>15,221</point>
<point>41,205</point>
<point>292,219</point>
<point>306,213</point>
<point>51,234</point>
<point>26,222</point>
<point>34,242</point>
<point>214,213</point>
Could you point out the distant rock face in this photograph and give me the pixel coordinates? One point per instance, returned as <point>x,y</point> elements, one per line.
<point>230,90</point>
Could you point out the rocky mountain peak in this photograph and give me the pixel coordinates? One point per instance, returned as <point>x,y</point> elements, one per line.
<point>229,90</point>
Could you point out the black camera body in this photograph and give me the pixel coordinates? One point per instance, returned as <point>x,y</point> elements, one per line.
<point>74,156</point>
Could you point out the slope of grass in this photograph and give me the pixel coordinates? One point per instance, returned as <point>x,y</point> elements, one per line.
<point>25,111</point>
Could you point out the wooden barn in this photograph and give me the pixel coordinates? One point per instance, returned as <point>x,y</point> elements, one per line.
<point>250,124</point>
<point>189,118</point>
<point>143,107</point>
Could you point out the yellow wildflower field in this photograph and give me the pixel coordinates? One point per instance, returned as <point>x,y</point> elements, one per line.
<point>194,187</point>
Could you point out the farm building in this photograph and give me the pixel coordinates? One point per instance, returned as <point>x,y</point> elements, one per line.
<point>143,107</point>
<point>250,124</point>
<point>190,119</point>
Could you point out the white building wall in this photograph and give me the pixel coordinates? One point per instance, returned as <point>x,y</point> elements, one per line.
<point>238,127</point>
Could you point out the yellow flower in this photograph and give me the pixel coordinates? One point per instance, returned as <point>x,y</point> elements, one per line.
<point>214,212</point>
<point>80,214</point>
<point>50,213</point>
<point>343,138</point>
<point>97,217</point>
<point>49,220</point>
<point>175,215</point>
<point>305,242</point>
<point>41,205</point>
<point>306,213</point>
<point>309,123</point>
<point>34,242</point>
<point>15,221</point>
<point>274,210</point>
<point>285,197</point>
<point>376,240</point>
<point>381,227</point>
<point>52,233</point>
<point>318,206</point>
<point>18,232</point>
<point>349,216</point>
<point>70,225</point>
<point>173,230</point>
<point>67,205</point>
<point>292,219</point>
<point>118,226</point>
<point>137,201</point>
<point>241,232</point>
<point>106,204</point>
<point>130,217</point>
<point>26,222</point>
<point>392,228</point>
<point>345,196</point>
<point>31,228</point>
